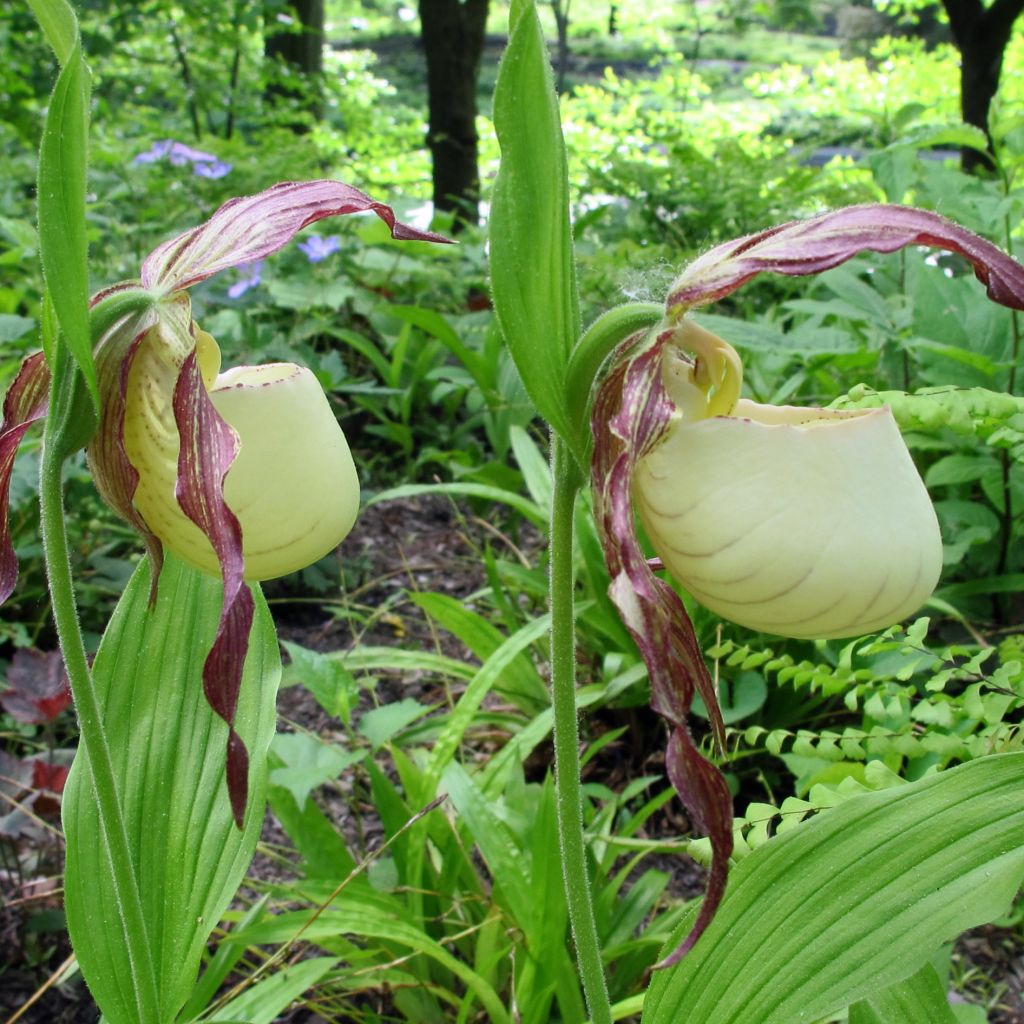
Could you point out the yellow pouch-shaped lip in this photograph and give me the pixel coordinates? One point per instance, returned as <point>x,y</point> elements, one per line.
<point>292,486</point>
<point>806,523</point>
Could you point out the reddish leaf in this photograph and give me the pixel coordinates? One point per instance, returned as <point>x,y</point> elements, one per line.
<point>251,228</point>
<point>208,447</point>
<point>810,246</point>
<point>631,414</point>
<point>38,686</point>
<point>15,783</point>
<point>49,777</point>
<point>25,404</point>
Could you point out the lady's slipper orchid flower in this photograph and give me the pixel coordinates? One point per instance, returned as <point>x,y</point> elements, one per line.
<point>245,473</point>
<point>807,523</point>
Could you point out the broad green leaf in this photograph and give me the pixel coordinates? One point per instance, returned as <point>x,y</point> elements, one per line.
<point>308,762</point>
<point>919,999</point>
<point>168,749</point>
<point>60,26</point>
<point>533,275</point>
<point>323,850</point>
<point>326,678</point>
<point>740,695</point>
<point>854,901</point>
<point>384,723</point>
<point>63,244</point>
<point>1011,583</point>
<point>13,326</point>
<point>959,135</point>
<point>958,469</point>
<point>757,337</point>
<point>264,1002</point>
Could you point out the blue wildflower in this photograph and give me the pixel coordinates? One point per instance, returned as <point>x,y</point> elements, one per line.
<point>216,169</point>
<point>251,275</point>
<point>204,165</point>
<point>156,152</point>
<point>317,248</point>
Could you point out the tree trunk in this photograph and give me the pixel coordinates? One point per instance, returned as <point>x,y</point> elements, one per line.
<point>293,45</point>
<point>561,11</point>
<point>981,35</point>
<point>453,40</point>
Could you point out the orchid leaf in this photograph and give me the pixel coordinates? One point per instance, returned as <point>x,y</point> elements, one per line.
<point>920,999</point>
<point>59,24</point>
<point>63,242</point>
<point>532,271</point>
<point>810,919</point>
<point>168,751</point>
<point>820,243</point>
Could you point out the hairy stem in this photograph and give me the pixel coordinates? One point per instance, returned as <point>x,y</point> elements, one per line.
<point>90,715</point>
<point>566,734</point>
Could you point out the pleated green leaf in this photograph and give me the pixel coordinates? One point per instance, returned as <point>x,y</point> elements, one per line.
<point>63,243</point>
<point>853,902</point>
<point>919,999</point>
<point>533,275</point>
<point>168,749</point>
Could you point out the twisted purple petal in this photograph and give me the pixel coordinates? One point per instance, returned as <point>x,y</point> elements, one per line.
<point>251,228</point>
<point>25,404</point>
<point>820,243</point>
<point>208,448</point>
<point>631,414</point>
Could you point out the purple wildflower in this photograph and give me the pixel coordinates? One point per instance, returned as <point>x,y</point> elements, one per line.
<point>156,152</point>
<point>181,154</point>
<point>204,165</point>
<point>317,248</point>
<point>217,169</point>
<point>251,275</point>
